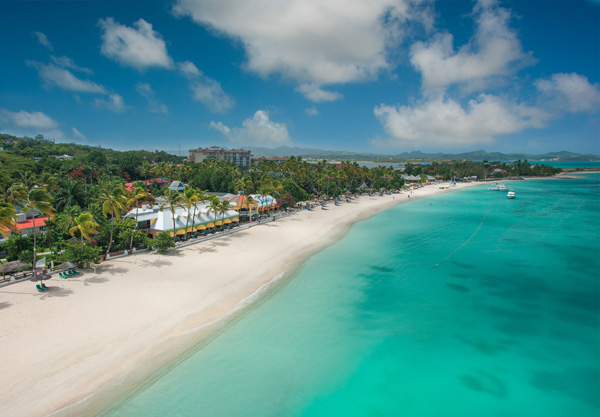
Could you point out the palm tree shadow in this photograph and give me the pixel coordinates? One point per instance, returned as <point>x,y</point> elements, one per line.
<point>207,249</point>
<point>220,243</point>
<point>155,264</point>
<point>113,270</point>
<point>94,280</point>
<point>56,292</point>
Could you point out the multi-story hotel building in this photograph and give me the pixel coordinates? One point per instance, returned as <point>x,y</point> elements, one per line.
<point>239,157</point>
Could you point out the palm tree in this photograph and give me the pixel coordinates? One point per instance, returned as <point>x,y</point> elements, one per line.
<point>7,216</point>
<point>138,197</point>
<point>223,207</point>
<point>66,219</point>
<point>37,199</point>
<point>113,202</point>
<point>249,202</point>
<point>85,225</point>
<point>190,198</point>
<point>214,206</point>
<point>69,194</point>
<point>173,200</point>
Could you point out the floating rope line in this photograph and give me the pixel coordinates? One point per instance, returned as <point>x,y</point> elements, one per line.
<point>472,236</point>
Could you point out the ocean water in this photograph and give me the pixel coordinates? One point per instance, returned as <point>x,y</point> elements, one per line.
<point>463,304</point>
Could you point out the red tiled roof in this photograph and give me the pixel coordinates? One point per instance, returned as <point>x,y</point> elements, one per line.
<point>28,224</point>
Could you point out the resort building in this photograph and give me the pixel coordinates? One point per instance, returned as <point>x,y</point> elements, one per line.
<point>199,220</point>
<point>248,210</point>
<point>238,157</point>
<point>278,160</point>
<point>25,226</point>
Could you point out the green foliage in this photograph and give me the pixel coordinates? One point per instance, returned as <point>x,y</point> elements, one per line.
<point>74,253</point>
<point>162,242</point>
<point>17,244</point>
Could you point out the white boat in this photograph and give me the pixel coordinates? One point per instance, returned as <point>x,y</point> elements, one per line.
<point>511,194</point>
<point>498,187</point>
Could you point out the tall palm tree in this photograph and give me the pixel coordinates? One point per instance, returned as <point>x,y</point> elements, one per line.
<point>85,225</point>
<point>173,200</point>
<point>223,207</point>
<point>137,198</point>
<point>214,206</point>
<point>112,199</point>
<point>249,202</point>
<point>189,199</point>
<point>37,199</point>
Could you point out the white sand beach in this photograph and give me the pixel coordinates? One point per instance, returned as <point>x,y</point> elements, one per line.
<point>138,312</point>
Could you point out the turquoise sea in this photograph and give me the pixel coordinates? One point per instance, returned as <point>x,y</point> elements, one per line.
<point>463,304</point>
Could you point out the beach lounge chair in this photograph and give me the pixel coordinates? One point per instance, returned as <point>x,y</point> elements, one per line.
<point>39,287</point>
<point>73,272</point>
<point>44,286</point>
<point>62,275</point>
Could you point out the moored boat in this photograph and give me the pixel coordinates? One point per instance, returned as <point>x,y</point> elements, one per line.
<point>498,187</point>
<point>511,194</point>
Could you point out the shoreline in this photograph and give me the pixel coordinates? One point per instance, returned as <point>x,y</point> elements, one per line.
<point>141,315</point>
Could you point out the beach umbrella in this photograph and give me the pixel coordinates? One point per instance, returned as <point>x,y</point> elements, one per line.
<point>67,265</point>
<point>13,266</point>
<point>40,277</point>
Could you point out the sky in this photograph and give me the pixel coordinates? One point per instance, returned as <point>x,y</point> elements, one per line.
<point>379,76</point>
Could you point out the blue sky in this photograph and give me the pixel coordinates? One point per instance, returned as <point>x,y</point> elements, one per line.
<point>381,76</point>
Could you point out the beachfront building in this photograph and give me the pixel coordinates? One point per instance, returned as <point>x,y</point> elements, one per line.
<point>25,226</point>
<point>238,157</point>
<point>153,220</point>
<point>258,205</point>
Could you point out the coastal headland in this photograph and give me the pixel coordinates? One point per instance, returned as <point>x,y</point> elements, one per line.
<point>90,339</point>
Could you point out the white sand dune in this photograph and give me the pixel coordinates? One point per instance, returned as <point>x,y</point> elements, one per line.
<point>136,313</point>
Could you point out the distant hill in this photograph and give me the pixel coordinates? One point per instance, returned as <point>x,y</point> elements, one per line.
<point>479,155</point>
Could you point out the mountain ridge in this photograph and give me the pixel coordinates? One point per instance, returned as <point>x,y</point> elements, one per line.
<point>478,155</point>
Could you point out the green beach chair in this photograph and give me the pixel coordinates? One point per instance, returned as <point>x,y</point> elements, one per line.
<point>63,275</point>
<point>39,288</point>
<point>44,286</point>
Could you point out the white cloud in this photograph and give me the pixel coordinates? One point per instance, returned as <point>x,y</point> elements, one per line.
<point>139,47</point>
<point>189,69</point>
<point>570,92</point>
<point>259,130</point>
<point>114,103</point>
<point>317,94</point>
<point>495,50</point>
<point>312,42</point>
<point>154,105</point>
<point>444,122</point>
<point>78,134</point>
<point>53,75</point>
<point>43,40</point>
<point>66,62</point>
<point>205,89</point>
<point>29,123</point>
<point>312,111</point>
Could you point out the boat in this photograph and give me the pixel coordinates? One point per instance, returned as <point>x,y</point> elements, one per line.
<point>498,187</point>
<point>511,194</point>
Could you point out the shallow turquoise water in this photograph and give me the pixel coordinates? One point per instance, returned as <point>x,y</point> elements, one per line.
<point>464,304</point>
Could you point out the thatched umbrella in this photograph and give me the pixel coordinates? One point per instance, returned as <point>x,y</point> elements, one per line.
<point>40,277</point>
<point>12,267</point>
<point>67,265</point>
